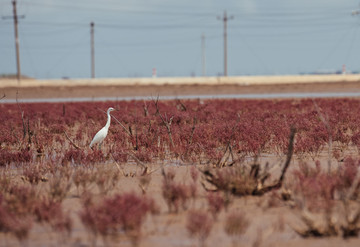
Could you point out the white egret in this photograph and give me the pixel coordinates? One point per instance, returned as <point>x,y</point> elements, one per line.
<point>100,136</point>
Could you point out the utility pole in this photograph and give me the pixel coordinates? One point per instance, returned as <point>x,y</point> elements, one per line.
<point>203,58</point>
<point>15,17</point>
<point>355,13</point>
<point>225,19</point>
<point>92,49</point>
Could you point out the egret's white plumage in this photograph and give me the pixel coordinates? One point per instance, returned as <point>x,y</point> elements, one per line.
<point>100,136</point>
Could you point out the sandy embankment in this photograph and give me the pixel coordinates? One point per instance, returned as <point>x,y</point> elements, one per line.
<point>174,86</point>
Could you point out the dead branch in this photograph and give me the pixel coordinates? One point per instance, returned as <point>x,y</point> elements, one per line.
<point>139,162</point>
<point>30,133</point>
<point>22,115</point>
<point>191,137</point>
<point>228,150</point>
<point>156,104</point>
<point>117,165</point>
<point>127,132</point>
<point>167,122</point>
<point>182,107</point>
<point>325,121</point>
<point>2,97</point>
<point>146,111</point>
<point>72,143</point>
<point>289,154</point>
<point>239,182</point>
<point>168,127</point>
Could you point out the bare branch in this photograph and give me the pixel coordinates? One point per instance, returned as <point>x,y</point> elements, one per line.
<point>22,115</point>
<point>72,143</point>
<point>117,165</point>
<point>156,104</point>
<point>191,137</point>
<point>250,183</point>
<point>289,154</point>
<point>325,120</point>
<point>182,106</point>
<point>146,111</point>
<point>222,161</point>
<point>165,121</point>
<point>139,162</point>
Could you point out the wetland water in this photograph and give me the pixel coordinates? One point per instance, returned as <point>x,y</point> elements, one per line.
<point>220,96</point>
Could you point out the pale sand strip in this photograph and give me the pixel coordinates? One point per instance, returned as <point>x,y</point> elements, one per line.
<point>237,80</point>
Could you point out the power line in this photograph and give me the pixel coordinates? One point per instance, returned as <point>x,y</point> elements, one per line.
<point>128,9</point>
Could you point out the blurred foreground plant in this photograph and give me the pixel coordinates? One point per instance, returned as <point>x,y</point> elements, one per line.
<point>121,212</point>
<point>199,225</point>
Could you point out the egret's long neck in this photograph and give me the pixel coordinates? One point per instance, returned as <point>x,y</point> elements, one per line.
<point>108,120</point>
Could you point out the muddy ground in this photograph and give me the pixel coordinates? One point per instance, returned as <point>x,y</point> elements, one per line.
<point>172,90</point>
<point>271,220</point>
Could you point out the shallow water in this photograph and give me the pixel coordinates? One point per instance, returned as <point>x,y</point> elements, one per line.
<point>220,96</point>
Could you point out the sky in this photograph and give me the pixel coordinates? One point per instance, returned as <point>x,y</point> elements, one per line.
<point>132,37</point>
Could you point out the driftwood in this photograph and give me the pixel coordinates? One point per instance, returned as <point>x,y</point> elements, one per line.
<point>243,182</point>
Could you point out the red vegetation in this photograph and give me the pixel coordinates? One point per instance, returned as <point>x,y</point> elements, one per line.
<point>176,194</point>
<point>124,212</point>
<point>195,131</point>
<point>199,225</point>
<point>216,203</point>
<point>51,212</point>
<point>320,188</point>
<point>49,143</point>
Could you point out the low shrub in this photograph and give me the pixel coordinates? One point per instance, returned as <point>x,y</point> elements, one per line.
<point>121,212</point>
<point>199,225</point>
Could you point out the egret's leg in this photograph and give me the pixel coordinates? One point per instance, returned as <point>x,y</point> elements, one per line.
<point>100,145</point>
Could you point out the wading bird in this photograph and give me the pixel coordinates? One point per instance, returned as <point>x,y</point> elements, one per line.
<point>100,136</point>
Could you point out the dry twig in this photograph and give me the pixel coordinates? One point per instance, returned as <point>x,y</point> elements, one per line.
<point>72,143</point>
<point>325,120</point>
<point>167,122</point>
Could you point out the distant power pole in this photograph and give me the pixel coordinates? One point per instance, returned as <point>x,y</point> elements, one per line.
<point>355,12</point>
<point>92,49</point>
<point>225,19</point>
<point>15,17</point>
<point>203,58</point>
